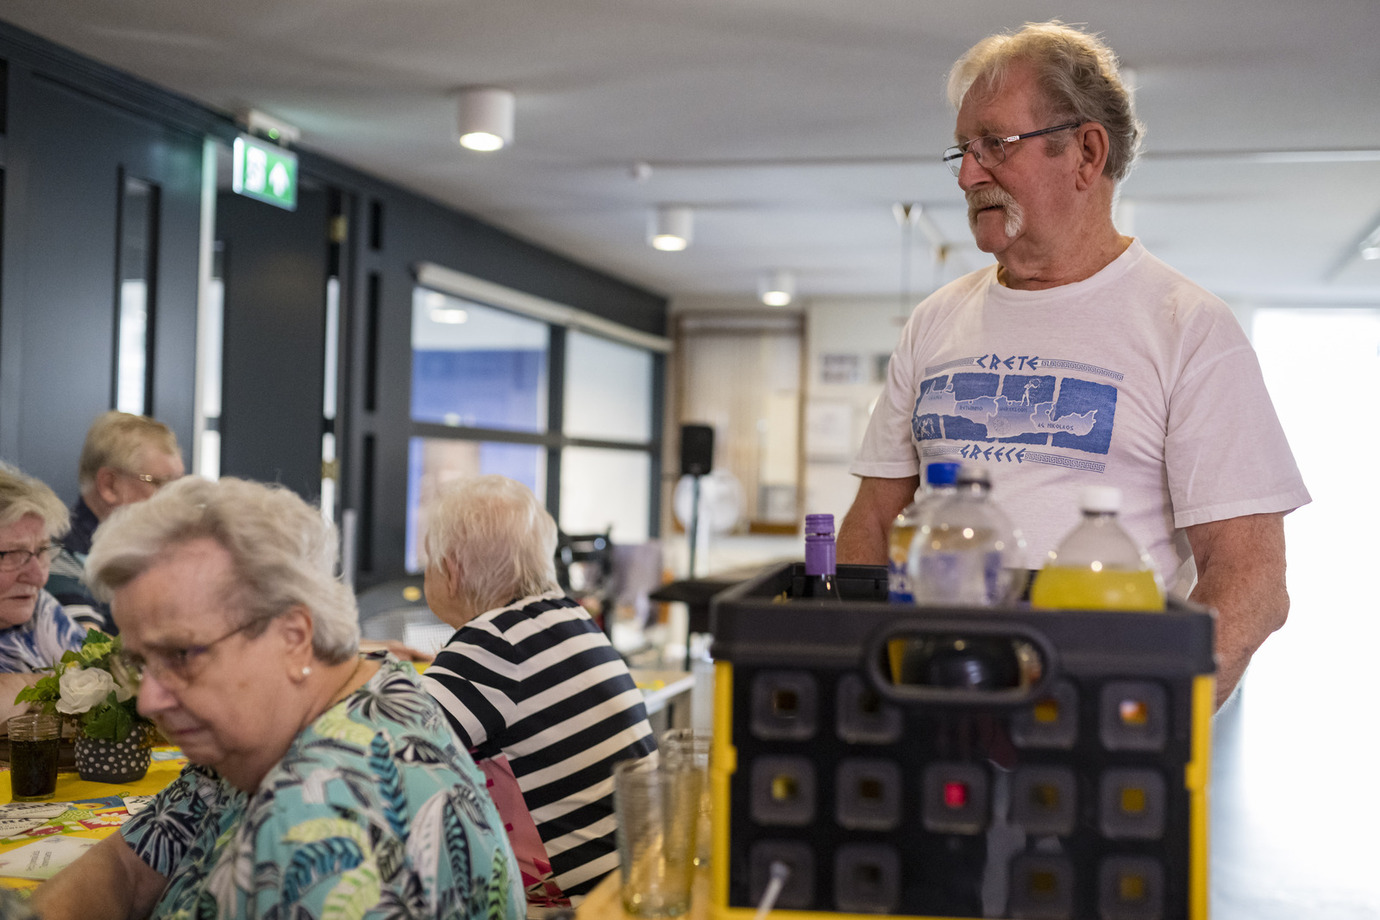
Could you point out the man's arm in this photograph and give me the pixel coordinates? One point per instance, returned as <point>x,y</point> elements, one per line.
<point>1240,573</point>
<point>863,533</point>
<point>107,882</point>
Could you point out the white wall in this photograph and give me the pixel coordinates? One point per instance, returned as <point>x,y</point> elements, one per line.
<point>842,335</point>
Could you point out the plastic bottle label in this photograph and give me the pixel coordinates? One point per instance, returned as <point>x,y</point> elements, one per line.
<point>898,583</point>
<point>960,578</point>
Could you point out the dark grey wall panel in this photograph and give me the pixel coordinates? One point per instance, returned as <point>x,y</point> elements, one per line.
<point>274,267</point>
<point>66,155</point>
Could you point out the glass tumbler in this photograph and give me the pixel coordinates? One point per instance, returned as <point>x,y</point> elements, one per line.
<point>656,807</point>
<point>690,747</point>
<point>33,756</point>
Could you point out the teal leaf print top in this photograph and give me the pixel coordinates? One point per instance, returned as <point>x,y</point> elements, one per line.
<point>373,812</point>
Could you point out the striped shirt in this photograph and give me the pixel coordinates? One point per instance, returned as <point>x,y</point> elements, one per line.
<point>540,698</point>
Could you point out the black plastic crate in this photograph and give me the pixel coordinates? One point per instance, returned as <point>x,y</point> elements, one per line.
<point>1078,790</point>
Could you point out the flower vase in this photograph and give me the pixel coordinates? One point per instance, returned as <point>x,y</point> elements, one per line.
<point>102,761</point>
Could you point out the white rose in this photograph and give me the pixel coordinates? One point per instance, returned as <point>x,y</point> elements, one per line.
<point>80,690</point>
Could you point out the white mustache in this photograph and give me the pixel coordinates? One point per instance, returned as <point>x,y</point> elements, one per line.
<point>978,199</point>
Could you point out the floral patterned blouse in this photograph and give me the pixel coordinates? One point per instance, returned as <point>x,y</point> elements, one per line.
<point>372,812</point>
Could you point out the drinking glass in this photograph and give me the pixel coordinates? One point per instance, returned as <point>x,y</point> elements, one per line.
<point>689,747</point>
<point>656,807</point>
<point>33,756</point>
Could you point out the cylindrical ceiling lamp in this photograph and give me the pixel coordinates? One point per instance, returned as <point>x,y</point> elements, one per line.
<point>485,118</point>
<point>776,289</point>
<point>670,228</point>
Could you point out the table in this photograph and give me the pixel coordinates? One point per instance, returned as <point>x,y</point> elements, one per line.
<point>606,903</point>
<point>668,691</point>
<point>101,804</point>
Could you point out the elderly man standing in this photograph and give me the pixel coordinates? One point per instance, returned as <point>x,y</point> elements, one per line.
<point>530,684</point>
<point>1080,358</point>
<point>126,458</point>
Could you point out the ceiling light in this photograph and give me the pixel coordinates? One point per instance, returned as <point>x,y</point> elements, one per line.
<point>670,229</point>
<point>776,289</point>
<point>1370,253</point>
<point>486,118</point>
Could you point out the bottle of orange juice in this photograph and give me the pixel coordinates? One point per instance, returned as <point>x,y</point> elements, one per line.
<point>1098,566</point>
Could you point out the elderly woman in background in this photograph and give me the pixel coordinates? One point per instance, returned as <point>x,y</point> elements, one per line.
<point>322,783</point>
<point>530,684</point>
<point>34,630</point>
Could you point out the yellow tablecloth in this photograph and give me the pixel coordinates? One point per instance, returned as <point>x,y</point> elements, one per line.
<point>97,808</point>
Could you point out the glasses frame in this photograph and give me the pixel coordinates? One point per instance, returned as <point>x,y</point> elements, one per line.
<point>953,156</point>
<point>176,662</point>
<point>47,552</point>
<point>157,482</point>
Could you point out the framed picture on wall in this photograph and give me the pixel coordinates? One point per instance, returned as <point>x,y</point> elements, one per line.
<point>829,430</point>
<point>840,368</point>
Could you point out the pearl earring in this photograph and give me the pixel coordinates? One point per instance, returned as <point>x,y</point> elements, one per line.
<point>306,670</point>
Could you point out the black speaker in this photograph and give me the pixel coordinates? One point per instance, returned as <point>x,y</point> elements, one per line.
<point>696,450</point>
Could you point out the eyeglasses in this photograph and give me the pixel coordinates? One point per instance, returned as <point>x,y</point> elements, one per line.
<point>990,151</point>
<point>11,559</point>
<point>157,482</point>
<point>177,664</point>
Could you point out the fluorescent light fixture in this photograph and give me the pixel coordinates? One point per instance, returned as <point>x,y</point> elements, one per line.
<point>485,118</point>
<point>670,229</point>
<point>451,315</point>
<point>776,289</point>
<point>1370,253</point>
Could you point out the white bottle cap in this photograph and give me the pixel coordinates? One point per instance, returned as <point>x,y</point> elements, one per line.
<point>1101,499</point>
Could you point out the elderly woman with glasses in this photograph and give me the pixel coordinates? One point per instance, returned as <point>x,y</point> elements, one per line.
<point>323,782</point>
<point>34,629</point>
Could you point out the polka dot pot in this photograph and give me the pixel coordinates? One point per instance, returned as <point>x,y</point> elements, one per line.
<point>102,761</point>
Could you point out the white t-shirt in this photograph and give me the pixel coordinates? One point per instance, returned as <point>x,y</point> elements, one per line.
<point>1135,378</point>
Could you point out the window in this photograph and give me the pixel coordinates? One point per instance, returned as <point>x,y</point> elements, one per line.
<point>482,398</point>
<point>477,367</point>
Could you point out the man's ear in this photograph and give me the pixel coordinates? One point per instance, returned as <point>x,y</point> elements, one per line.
<point>105,485</point>
<point>1093,145</point>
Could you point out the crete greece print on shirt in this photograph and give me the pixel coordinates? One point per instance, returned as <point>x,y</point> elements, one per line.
<point>1017,409</point>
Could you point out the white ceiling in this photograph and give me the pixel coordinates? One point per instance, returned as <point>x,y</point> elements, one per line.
<point>792,127</point>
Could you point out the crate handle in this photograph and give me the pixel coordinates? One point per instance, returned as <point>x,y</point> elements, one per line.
<point>959,661</point>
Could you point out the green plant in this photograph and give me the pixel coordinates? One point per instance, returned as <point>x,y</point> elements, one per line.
<point>93,686</point>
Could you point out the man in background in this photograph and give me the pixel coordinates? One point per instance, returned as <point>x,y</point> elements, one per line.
<point>1079,358</point>
<point>126,458</point>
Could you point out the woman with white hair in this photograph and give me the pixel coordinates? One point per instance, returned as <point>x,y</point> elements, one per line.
<point>34,629</point>
<point>322,783</point>
<point>530,684</point>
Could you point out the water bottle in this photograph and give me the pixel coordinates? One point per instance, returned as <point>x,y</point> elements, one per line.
<point>940,480</point>
<point>964,550</point>
<point>1098,566</point>
<point>821,577</point>
<point>962,555</point>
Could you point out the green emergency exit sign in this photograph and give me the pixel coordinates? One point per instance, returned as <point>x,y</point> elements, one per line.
<point>265,171</point>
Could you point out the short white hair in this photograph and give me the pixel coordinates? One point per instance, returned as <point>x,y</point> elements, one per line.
<point>282,552</point>
<point>22,495</point>
<point>501,539</point>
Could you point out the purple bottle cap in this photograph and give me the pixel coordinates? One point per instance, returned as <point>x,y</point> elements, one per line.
<point>819,525</point>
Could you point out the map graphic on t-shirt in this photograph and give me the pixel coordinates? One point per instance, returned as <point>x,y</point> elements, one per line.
<point>1031,409</point>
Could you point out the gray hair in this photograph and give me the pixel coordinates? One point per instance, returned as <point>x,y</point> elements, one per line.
<point>282,552</point>
<point>498,534</point>
<point>1077,74</point>
<point>22,495</point>
<point>115,440</point>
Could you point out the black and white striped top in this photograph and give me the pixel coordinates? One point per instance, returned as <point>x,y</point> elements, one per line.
<point>537,685</point>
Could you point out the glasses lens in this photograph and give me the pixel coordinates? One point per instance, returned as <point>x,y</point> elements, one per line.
<point>989,151</point>
<point>953,158</point>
